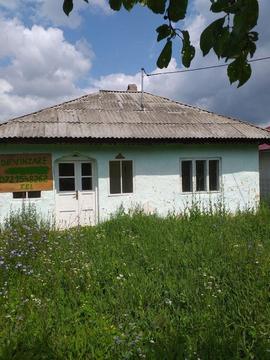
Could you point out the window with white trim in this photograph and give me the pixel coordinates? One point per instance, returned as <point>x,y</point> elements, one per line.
<point>121,176</point>
<point>200,175</point>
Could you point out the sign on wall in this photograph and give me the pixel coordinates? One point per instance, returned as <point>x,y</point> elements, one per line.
<point>25,172</point>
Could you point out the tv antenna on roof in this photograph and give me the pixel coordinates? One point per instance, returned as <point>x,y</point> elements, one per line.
<point>142,75</point>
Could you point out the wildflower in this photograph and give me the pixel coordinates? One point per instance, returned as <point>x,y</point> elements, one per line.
<point>117,340</point>
<point>120,277</point>
<point>168,301</point>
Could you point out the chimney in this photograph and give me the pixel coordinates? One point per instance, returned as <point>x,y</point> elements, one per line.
<point>132,87</point>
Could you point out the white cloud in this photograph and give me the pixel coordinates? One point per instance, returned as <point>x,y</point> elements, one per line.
<point>41,68</point>
<point>50,12</point>
<point>11,4</point>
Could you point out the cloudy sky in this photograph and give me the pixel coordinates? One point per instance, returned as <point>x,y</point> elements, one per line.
<point>46,58</point>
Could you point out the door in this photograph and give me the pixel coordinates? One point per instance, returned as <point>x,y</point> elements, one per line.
<point>75,194</point>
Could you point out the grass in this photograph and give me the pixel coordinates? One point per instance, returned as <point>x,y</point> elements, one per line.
<point>137,286</point>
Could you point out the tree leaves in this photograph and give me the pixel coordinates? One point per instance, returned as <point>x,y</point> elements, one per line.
<point>163,31</point>
<point>208,36</point>
<point>177,10</point>
<point>231,36</point>
<point>157,6</point>
<point>115,4</point>
<point>68,6</point>
<point>188,51</point>
<point>165,55</point>
<point>247,16</point>
<point>239,70</point>
<point>128,4</point>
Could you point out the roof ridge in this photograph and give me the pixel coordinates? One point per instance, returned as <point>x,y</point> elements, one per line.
<point>122,122</point>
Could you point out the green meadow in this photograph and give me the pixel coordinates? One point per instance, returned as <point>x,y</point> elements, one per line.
<point>195,286</point>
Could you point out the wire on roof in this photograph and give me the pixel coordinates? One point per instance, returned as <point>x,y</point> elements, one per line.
<point>202,68</point>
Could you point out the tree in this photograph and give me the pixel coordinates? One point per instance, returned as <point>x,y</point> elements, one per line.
<point>230,36</point>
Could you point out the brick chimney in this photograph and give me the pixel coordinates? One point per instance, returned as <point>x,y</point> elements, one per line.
<point>132,87</point>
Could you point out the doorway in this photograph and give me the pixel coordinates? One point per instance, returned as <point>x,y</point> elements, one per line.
<point>75,193</point>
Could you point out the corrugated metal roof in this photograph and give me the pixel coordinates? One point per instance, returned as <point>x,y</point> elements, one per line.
<point>264,147</point>
<point>118,115</point>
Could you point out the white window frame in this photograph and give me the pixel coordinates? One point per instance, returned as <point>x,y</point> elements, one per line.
<point>193,160</point>
<point>121,182</point>
<point>67,177</point>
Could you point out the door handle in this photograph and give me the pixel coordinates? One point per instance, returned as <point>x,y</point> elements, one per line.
<point>77,195</point>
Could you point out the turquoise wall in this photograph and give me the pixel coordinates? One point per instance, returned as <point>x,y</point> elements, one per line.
<point>156,176</point>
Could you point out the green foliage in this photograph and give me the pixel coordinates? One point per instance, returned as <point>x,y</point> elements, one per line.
<point>165,55</point>
<point>230,37</point>
<point>68,6</point>
<point>189,287</point>
<point>188,51</point>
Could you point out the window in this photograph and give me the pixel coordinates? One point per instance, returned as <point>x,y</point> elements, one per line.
<point>213,175</point>
<point>86,176</point>
<point>66,176</point>
<point>187,176</point>
<point>121,177</point>
<point>200,175</point>
<point>26,194</point>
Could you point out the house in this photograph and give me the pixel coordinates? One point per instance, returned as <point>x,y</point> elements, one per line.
<point>264,155</point>
<point>81,160</point>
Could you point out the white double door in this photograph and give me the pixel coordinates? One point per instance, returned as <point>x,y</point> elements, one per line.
<point>75,194</point>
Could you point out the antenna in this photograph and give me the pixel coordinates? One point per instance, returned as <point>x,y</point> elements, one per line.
<point>142,75</point>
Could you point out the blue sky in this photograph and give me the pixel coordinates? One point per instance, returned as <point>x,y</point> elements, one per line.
<point>46,58</point>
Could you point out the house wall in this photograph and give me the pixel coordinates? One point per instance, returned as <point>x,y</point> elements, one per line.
<point>156,177</point>
<point>265,175</point>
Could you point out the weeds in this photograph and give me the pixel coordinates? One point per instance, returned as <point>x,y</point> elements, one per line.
<point>137,286</point>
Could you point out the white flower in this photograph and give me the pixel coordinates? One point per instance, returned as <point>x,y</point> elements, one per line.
<point>120,277</point>
<point>168,302</point>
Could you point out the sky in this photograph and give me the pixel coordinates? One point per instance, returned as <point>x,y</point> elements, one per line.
<point>47,58</point>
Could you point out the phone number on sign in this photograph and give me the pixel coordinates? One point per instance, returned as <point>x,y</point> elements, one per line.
<point>22,179</point>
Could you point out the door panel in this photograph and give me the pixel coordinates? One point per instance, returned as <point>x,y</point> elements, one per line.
<point>86,208</point>
<point>75,194</point>
<point>67,206</point>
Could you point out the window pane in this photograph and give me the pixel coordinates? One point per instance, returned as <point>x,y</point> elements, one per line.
<point>19,195</point>
<point>200,175</point>
<point>213,175</point>
<point>115,184</point>
<point>86,169</point>
<point>66,169</point>
<point>127,176</point>
<point>87,183</point>
<point>34,194</point>
<point>186,176</point>
<point>67,184</point>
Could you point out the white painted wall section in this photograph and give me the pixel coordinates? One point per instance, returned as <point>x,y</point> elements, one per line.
<point>156,177</point>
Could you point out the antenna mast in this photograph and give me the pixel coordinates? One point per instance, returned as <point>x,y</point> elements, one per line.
<point>142,75</point>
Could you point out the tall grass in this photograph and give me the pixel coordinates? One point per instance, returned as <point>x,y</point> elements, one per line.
<point>137,286</point>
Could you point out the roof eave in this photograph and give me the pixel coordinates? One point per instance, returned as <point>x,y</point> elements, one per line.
<point>145,141</point>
